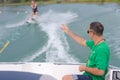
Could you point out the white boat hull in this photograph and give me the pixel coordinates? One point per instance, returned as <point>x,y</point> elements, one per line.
<point>57,71</point>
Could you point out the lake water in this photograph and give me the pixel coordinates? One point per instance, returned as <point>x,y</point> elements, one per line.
<point>46,42</point>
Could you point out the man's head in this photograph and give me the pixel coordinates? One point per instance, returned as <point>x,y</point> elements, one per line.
<point>97,28</point>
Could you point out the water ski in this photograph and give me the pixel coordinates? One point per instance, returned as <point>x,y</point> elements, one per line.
<point>4,47</point>
<point>31,20</point>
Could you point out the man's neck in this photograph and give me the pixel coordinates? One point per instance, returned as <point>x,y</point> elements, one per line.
<point>98,39</point>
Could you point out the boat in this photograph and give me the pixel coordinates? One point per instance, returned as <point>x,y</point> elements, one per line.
<point>45,71</point>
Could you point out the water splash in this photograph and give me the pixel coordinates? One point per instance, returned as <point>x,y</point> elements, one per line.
<point>15,25</point>
<point>18,24</point>
<point>57,47</point>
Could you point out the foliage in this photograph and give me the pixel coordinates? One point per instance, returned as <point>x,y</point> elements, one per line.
<point>56,1</point>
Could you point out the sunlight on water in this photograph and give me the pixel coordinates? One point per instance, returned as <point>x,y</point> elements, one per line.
<point>57,47</point>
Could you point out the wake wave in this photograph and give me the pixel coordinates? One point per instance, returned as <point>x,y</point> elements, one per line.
<point>114,38</point>
<point>15,25</point>
<point>56,48</point>
<point>18,24</point>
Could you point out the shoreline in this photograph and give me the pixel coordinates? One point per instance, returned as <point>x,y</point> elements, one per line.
<point>62,2</point>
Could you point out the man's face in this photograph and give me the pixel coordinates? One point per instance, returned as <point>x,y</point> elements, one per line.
<point>91,33</point>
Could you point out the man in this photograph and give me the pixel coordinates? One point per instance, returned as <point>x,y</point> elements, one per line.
<point>98,61</point>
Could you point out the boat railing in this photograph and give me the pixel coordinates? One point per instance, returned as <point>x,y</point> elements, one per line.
<point>113,73</point>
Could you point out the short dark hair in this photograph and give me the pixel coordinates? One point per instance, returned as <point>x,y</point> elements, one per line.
<point>97,27</point>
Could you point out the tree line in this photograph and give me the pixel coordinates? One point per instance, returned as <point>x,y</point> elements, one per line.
<point>17,1</point>
<point>20,1</point>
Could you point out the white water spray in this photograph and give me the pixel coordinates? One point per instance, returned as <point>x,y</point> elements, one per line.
<point>57,47</point>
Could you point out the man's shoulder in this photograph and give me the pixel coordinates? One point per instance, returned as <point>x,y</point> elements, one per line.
<point>104,45</point>
<point>90,43</point>
<point>103,48</point>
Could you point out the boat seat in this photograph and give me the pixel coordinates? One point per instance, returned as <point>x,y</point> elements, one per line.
<point>17,75</point>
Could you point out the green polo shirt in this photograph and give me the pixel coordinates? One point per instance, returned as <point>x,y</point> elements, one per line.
<point>99,58</point>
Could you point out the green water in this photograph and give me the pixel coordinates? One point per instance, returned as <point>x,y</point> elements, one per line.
<point>46,42</point>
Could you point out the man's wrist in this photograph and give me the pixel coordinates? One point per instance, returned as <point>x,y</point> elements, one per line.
<point>85,68</point>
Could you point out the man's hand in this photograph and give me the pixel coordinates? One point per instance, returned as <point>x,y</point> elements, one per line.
<point>94,71</point>
<point>65,28</point>
<point>82,68</point>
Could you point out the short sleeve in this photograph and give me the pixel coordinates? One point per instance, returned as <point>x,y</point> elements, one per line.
<point>90,43</point>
